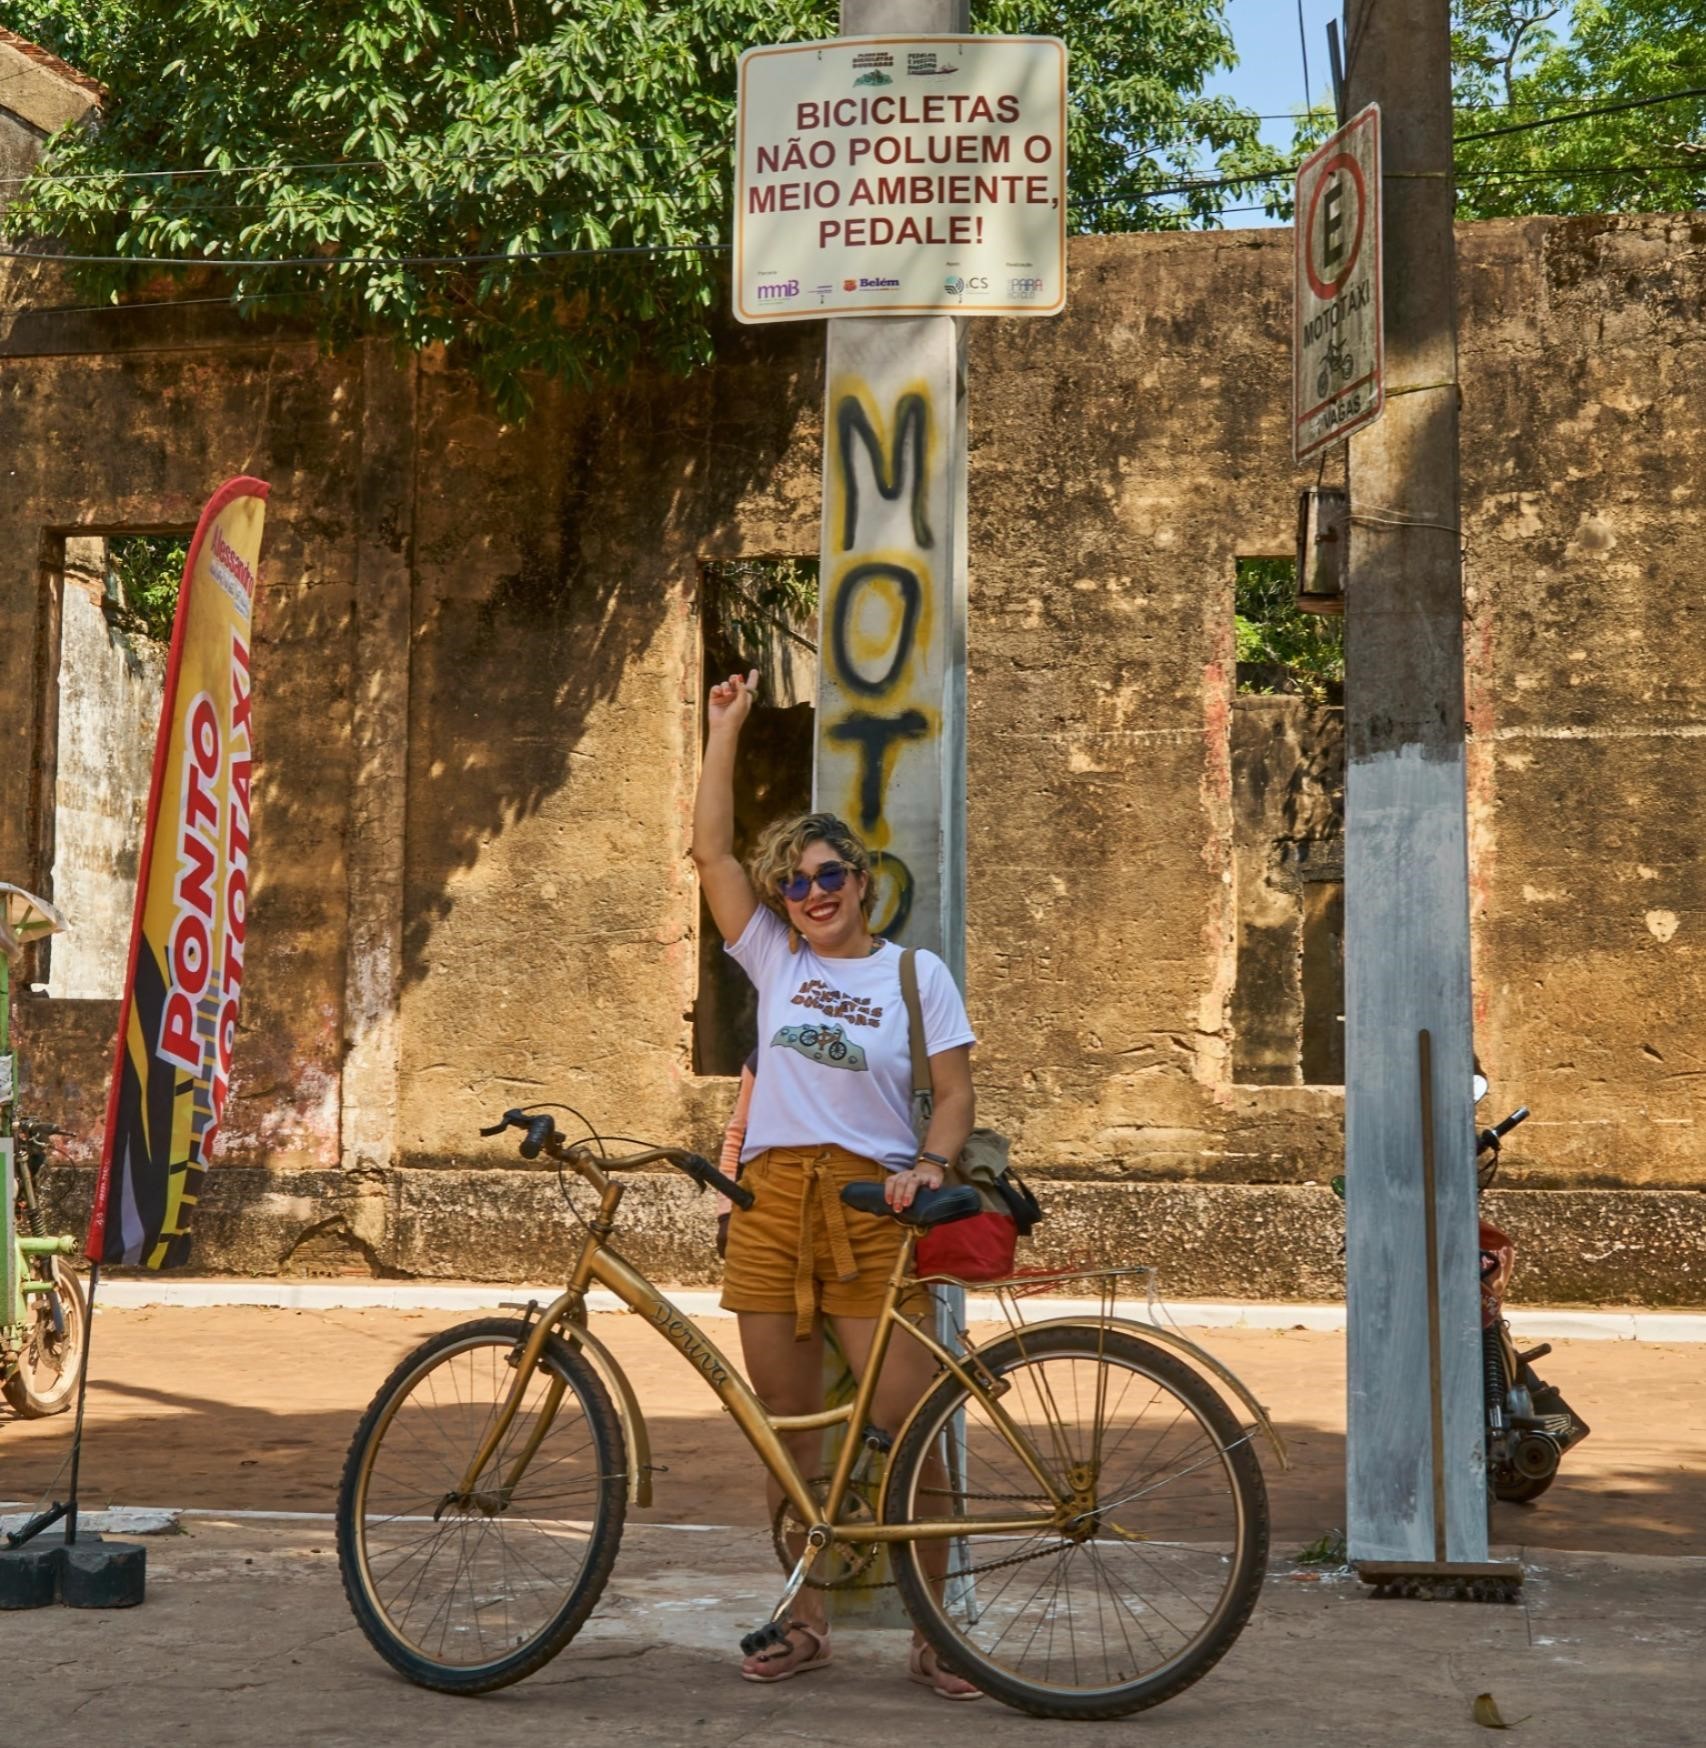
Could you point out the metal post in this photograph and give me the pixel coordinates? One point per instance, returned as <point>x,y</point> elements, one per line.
<point>1413,1497</point>
<point>890,753</point>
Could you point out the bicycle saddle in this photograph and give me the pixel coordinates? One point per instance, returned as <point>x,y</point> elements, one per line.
<point>929,1207</point>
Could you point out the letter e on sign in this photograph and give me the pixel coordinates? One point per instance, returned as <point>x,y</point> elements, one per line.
<point>1338,376</point>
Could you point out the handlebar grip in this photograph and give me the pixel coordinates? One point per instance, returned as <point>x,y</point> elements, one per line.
<point>539,1131</point>
<point>1519,1115</point>
<point>496,1128</point>
<point>706,1173</point>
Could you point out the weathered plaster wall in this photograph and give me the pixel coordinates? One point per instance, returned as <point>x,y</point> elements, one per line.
<point>109,689</point>
<point>477,660</point>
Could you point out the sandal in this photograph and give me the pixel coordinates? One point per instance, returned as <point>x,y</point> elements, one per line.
<point>925,1667</point>
<point>784,1662</point>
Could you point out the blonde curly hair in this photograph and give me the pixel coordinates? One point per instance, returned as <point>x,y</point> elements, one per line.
<point>780,845</point>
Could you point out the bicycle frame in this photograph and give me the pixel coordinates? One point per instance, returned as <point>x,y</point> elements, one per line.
<point>599,1264</point>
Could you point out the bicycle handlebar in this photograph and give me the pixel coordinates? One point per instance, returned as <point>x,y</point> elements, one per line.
<point>542,1136</point>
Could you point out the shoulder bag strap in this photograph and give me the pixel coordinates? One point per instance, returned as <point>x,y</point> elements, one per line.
<point>923,1085</point>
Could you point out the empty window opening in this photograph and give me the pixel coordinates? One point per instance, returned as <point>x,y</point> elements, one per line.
<point>755,613</point>
<point>1281,648</point>
<point>1288,781</point>
<point>111,605</point>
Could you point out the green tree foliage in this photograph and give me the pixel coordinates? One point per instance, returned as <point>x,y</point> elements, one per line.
<point>144,572</point>
<point>375,131</point>
<point>1521,60</point>
<point>1303,652</point>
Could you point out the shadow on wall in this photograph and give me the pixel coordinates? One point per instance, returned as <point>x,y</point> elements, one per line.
<point>594,516</point>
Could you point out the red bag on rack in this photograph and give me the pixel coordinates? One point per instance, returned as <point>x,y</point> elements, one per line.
<point>981,1247</point>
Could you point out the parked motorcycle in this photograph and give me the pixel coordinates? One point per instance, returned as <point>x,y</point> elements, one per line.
<point>1529,1425</point>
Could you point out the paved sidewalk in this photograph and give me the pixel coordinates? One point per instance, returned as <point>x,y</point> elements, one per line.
<point>246,1640</point>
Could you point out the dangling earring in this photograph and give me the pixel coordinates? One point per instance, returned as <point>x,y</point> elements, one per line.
<point>793,939</point>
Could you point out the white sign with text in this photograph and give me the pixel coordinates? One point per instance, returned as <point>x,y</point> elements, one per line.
<point>901,176</point>
<point>1338,349</point>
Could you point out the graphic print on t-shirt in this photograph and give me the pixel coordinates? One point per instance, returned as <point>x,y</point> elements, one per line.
<point>836,1003</point>
<point>825,1044</point>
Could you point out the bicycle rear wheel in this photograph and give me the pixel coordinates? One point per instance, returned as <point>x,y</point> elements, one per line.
<point>469,1592</point>
<point>1143,1587</point>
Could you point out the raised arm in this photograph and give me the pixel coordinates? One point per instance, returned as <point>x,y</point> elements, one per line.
<point>727,889</point>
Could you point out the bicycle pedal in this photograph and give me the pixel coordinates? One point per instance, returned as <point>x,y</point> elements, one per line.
<point>771,1636</point>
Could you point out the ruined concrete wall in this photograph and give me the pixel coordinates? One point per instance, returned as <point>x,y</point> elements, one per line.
<point>478,674</point>
<point>109,690</point>
<point>1585,433</point>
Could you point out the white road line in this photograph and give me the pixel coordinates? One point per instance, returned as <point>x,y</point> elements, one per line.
<point>698,1302</point>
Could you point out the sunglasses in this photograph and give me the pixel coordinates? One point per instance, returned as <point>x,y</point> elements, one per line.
<point>830,877</point>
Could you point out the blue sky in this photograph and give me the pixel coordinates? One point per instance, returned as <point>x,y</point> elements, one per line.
<point>1269,74</point>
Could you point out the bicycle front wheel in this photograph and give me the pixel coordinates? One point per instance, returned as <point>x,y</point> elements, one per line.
<point>465,1589</point>
<point>1135,1591</point>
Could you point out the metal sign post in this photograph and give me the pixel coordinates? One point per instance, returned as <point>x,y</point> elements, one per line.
<point>1338,379</point>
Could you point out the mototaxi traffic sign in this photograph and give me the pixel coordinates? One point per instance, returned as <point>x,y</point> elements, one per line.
<point>1338,343</point>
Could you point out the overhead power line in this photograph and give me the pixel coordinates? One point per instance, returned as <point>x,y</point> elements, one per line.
<point>1522,127</point>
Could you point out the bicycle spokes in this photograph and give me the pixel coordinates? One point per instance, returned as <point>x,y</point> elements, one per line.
<point>464,1575</point>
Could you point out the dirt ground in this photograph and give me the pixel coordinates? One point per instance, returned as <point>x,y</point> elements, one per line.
<point>244,1409</point>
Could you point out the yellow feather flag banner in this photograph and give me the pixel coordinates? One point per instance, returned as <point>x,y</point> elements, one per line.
<point>178,1021</point>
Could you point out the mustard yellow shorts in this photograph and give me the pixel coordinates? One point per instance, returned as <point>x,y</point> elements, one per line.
<point>799,1247</point>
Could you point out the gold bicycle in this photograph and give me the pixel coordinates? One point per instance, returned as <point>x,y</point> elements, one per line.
<point>1105,1514</point>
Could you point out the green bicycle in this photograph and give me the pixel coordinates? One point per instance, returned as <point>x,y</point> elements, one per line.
<point>42,1308</point>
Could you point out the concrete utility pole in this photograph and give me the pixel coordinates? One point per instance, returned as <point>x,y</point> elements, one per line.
<point>891,734</point>
<point>891,712</point>
<point>1416,1446</point>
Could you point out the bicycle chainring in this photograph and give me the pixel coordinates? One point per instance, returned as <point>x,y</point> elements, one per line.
<point>843,1565</point>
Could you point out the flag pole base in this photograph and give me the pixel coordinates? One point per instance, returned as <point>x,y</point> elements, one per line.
<point>90,1572</point>
<point>1443,1580</point>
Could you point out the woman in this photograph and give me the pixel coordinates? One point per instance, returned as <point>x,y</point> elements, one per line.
<point>831,1104</point>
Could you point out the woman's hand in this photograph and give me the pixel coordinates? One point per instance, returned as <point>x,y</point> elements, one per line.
<point>903,1186</point>
<point>731,702</point>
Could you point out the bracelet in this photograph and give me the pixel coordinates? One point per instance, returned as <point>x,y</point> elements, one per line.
<point>935,1159</point>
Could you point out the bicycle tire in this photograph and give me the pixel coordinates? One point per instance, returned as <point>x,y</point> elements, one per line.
<point>489,1344</point>
<point>1226,1452</point>
<point>21,1387</point>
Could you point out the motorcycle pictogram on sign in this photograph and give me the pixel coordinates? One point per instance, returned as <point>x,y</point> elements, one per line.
<point>1338,355</point>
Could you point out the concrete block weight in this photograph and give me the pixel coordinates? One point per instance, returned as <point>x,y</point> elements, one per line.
<point>29,1576</point>
<point>95,1573</point>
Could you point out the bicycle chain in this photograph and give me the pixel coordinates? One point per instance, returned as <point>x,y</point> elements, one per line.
<point>863,1552</point>
<point>967,1572</point>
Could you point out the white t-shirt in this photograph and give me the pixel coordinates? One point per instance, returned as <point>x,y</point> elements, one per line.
<point>834,1058</point>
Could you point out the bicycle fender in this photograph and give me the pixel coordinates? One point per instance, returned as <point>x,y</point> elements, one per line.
<point>634,1434</point>
<point>1199,1356</point>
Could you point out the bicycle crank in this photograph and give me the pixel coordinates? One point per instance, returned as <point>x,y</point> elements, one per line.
<point>774,1632</point>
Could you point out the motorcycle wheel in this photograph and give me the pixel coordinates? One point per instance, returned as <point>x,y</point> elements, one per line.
<point>1519,1489</point>
<point>45,1378</point>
